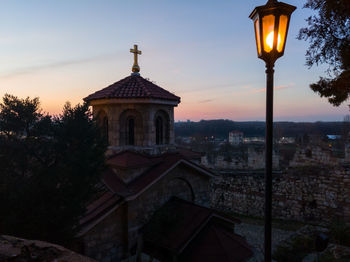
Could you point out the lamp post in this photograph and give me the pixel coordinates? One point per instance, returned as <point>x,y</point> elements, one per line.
<point>271,23</point>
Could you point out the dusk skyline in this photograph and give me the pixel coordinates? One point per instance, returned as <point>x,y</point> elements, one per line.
<point>206,54</point>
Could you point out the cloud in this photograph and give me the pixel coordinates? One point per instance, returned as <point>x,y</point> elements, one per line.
<point>53,65</point>
<point>205,101</point>
<point>260,90</point>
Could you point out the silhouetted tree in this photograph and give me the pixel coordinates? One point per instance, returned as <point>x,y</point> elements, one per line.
<point>329,35</point>
<point>49,167</point>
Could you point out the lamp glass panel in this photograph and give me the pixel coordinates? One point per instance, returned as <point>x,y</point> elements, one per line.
<point>257,36</point>
<point>268,32</point>
<point>282,29</point>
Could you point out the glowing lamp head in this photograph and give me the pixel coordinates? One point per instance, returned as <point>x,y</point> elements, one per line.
<point>271,23</point>
<point>269,40</point>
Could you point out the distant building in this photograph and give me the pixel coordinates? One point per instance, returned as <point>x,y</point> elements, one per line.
<point>235,137</point>
<point>286,140</point>
<point>333,137</point>
<point>253,140</point>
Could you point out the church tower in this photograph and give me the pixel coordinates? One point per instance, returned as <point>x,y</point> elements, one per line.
<point>134,113</point>
<point>141,184</point>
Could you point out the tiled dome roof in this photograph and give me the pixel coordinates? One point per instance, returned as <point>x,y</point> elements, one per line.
<point>133,86</point>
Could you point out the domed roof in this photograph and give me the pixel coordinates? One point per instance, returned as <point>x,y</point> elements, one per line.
<point>133,86</point>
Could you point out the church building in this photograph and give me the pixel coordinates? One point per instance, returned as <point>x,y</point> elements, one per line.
<point>154,198</point>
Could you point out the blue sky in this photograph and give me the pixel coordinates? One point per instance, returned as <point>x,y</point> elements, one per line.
<point>203,51</point>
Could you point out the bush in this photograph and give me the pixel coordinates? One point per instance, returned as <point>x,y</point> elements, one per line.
<point>296,250</point>
<point>340,233</point>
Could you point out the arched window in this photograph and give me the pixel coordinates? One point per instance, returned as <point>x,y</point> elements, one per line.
<point>102,121</point>
<point>159,131</point>
<point>105,128</point>
<point>162,127</point>
<point>131,132</point>
<point>131,128</point>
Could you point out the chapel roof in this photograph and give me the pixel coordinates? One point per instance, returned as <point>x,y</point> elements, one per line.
<point>194,233</point>
<point>130,159</point>
<point>133,86</point>
<point>215,243</point>
<point>114,191</point>
<point>158,166</point>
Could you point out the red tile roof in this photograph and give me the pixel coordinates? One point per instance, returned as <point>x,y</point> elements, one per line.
<point>99,207</point>
<point>129,159</point>
<point>115,191</point>
<point>160,165</point>
<point>185,221</point>
<point>189,153</point>
<point>215,243</point>
<point>195,233</point>
<point>133,86</point>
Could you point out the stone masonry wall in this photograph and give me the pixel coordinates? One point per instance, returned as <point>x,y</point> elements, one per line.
<point>145,132</point>
<point>105,241</point>
<point>196,188</point>
<point>255,160</point>
<point>314,156</point>
<point>304,194</point>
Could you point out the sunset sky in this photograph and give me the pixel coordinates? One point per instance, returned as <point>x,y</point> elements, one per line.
<point>201,50</point>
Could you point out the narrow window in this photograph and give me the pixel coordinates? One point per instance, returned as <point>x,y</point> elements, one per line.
<point>159,130</point>
<point>131,133</point>
<point>105,128</point>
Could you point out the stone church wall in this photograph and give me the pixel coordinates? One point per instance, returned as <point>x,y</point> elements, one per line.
<point>302,194</point>
<point>105,241</point>
<point>145,133</point>
<point>173,184</point>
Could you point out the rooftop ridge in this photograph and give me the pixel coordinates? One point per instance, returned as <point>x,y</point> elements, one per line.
<point>134,86</point>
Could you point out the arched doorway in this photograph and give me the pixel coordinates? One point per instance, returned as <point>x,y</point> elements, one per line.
<point>181,188</point>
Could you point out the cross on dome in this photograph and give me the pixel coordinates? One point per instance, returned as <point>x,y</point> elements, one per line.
<point>135,67</point>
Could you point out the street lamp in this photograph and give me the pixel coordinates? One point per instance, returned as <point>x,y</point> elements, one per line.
<point>271,23</point>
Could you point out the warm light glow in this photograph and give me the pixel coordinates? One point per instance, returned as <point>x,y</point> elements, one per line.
<point>268,24</point>
<point>257,36</point>
<point>271,23</point>
<point>269,39</point>
<point>282,32</point>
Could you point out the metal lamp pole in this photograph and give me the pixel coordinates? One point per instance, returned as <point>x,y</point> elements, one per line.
<point>271,23</point>
<point>268,159</point>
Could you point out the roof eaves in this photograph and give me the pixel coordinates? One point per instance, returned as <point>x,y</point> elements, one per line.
<point>98,220</point>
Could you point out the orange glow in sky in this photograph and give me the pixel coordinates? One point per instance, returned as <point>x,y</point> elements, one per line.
<point>65,50</point>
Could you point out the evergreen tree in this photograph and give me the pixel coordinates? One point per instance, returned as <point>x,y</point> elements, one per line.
<point>49,167</point>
